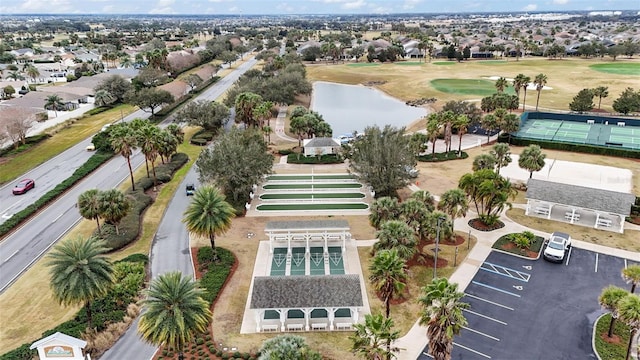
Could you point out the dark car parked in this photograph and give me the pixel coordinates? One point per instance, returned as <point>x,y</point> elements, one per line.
<point>191,189</point>
<point>23,186</point>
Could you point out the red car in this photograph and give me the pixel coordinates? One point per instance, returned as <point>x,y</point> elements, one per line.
<point>24,186</point>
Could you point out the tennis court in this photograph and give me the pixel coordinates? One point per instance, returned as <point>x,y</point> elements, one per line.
<point>588,131</point>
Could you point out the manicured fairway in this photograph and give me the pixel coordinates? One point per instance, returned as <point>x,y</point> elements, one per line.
<point>618,68</point>
<point>312,196</point>
<point>312,186</point>
<point>309,177</point>
<point>467,86</point>
<point>317,206</point>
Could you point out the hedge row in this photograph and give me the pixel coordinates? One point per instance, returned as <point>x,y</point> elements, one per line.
<point>93,163</point>
<point>446,156</point>
<point>201,137</point>
<point>28,143</point>
<point>97,110</point>
<point>581,148</point>
<point>324,159</point>
<point>215,273</point>
<point>129,280</point>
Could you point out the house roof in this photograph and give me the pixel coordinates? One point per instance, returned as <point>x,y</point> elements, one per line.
<point>579,196</point>
<point>60,337</point>
<point>321,142</point>
<point>307,225</point>
<point>275,292</point>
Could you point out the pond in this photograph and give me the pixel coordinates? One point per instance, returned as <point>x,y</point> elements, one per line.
<point>349,108</point>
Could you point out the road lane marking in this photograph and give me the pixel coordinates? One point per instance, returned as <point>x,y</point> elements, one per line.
<point>596,270</point>
<point>56,219</point>
<point>488,301</point>
<point>10,256</point>
<point>481,333</point>
<point>471,350</point>
<point>495,288</point>
<point>484,316</point>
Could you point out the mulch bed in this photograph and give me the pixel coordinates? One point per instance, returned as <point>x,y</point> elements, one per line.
<point>524,252</point>
<point>481,226</point>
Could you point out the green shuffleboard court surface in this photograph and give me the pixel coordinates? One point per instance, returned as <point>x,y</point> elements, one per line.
<point>316,206</point>
<point>312,186</point>
<point>279,262</point>
<point>310,177</point>
<point>336,261</point>
<point>298,261</point>
<point>307,196</point>
<point>316,266</point>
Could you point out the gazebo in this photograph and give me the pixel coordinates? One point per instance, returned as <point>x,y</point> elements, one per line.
<point>602,209</point>
<point>303,303</point>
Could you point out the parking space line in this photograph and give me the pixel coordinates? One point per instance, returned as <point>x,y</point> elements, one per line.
<point>484,316</point>
<point>471,350</point>
<point>427,354</point>
<point>494,288</point>
<point>596,270</point>
<point>505,271</point>
<point>488,301</point>
<point>568,256</point>
<point>481,333</point>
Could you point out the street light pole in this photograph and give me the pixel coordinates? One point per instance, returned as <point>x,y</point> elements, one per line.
<point>435,259</point>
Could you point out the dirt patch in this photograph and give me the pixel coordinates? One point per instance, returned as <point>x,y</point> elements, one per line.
<point>481,226</point>
<point>524,252</point>
<point>615,339</point>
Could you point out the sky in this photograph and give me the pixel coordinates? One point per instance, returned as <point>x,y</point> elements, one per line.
<point>272,7</point>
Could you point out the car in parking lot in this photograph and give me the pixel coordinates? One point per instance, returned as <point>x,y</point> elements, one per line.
<point>23,186</point>
<point>190,189</point>
<point>557,247</point>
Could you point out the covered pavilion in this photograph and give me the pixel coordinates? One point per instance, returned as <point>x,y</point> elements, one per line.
<point>307,232</point>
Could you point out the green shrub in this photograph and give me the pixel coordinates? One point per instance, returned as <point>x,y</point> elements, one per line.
<point>205,256</point>
<point>446,156</point>
<point>217,274</point>
<point>145,183</point>
<point>198,141</point>
<point>285,151</point>
<point>97,110</point>
<point>535,243</point>
<point>21,353</point>
<point>129,226</point>
<point>324,159</point>
<point>607,350</point>
<point>520,240</point>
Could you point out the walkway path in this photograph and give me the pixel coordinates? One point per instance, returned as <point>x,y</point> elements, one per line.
<point>279,128</point>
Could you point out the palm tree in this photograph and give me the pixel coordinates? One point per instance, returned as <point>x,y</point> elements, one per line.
<point>15,76</point>
<point>149,142</point>
<point>33,72</point>
<point>173,311</point>
<point>455,204</point>
<point>425,197</point>
<point>415,213</point>
<point>370,338</point>
<point>510,124</point>
<point>168,144</point>
<point>123,142</point>
<point>388,276</point>
<point>629,310</point>
<point>433,130</point>
<point>80,272</point>
<point>246,105</point>
<point>461,123</point>
<point>176,131</point>
<point>531,159</point>
<point>519,83</point>
<point>489,123</point>
<point>601,92</point>
<point>631,275</point>
<point>54,102</point>
<point>383,209</point>
<point>484,161</point>
<point>501,84</point>
<point>526,80</point>
<point>442,314</point>
<point>89,205</point>
<point>502,153</point>
<point>396,234</point>
<point>114,206</point>
<point>103,98</point>
<point>540,81</point>
<point>287,347</point>
<point>609,299</point>
<point>208,214</point>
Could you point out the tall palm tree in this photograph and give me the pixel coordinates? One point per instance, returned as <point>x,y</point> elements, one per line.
<point>425,197</point>
<point>433,130</point>
<point>173,311</point>
<point>149,138</point>
<point>540,81</point>
<point>80,272</point>
<point>609,299</point>
<point>415,213</point>
<point>631,275</point>
<point>442,314</point>
<point>629,310</point>
<point>371,339</point>
<point>15,76</point>
<point>114,206</point>
<point>168,144</point>
<point>245,105</point>
<point>502,153</point>
<point>455,204</point>
<point>601,92</point>
<point>510,124</point>
<point>484,161</point>
<point>461,123</point>
<point>396,234</point>
<point>123,141</point>
<point>501,84</point>
<point>489,123</point>
<point>518,83</point>
<point>54,102</point>
<point>176,130</point>
<point>89,205</point>
<point>103,98</point>
<point>383,209</point>
<point>208,214</point>
<point>526,80</point>
<point>531,159</point>
<point>32,72</point>
<point>388,276</point>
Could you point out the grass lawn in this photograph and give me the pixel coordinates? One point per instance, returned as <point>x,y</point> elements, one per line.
<point>477,87</point>
<point>611,350</point>
<point>618,68</point>
<point>67,134</point>
<point>321,206</point>
<point>566,77</point>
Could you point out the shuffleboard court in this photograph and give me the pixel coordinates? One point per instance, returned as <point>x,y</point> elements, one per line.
<point>312,186</point>
<point>307,196</point>
<point>310,177</point>
<point>312,206</point>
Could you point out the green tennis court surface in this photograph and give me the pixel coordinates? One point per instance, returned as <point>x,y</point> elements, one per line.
<point>587,132</point>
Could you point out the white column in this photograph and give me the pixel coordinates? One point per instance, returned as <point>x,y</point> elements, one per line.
<point>355,315</point>
<point>258,314</point>
<point>526,210</point>
<point>550,209</point>
<point>597,219</point>
<point>288,243</point>
<point>330,312</point>
<point>270,243</point>
<point>283,317</point>
<point>621,224</point>
<point>573,215</point>
<point>307,315</point>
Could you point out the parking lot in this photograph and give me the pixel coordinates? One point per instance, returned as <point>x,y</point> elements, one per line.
<point>523,309</point>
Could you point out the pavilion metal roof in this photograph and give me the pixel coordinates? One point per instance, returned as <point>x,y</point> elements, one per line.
<point>580,196</point>
<point>277,292</point>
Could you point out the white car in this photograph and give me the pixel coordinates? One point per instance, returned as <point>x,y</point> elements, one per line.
<point>557,247</point>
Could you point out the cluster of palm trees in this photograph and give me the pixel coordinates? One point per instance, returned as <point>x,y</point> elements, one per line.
<point>153,142</point>
<point>450,121</point>
<point>522,81</point>
<point>623,305</point>
<point>308,123</point>
<point>110,205</point>
<point>400,226</point>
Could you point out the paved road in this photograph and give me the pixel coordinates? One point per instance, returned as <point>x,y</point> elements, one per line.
<point>28,243</point>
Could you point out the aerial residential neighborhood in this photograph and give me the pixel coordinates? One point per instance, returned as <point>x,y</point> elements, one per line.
<point>357,181</point>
